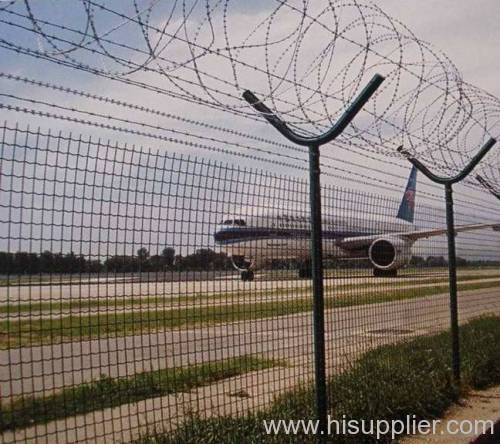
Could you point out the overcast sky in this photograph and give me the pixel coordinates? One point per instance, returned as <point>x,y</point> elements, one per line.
<point>467,31</point>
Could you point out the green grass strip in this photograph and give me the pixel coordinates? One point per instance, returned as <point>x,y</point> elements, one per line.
<point>28,332</point>
<point>109,392</point>
<point>388,383</point>
<point>54,307</point>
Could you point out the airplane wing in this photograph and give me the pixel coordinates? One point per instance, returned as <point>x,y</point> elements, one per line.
<point>359,242</point>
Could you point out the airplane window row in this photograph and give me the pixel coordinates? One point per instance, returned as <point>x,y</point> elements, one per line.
<point>237,222</point>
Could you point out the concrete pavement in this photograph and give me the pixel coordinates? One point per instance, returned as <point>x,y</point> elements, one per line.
<point>350,332</point>
<point>40,370</point>
<point>29,370</point>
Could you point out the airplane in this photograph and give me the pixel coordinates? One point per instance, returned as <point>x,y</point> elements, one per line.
<point>253,241</point>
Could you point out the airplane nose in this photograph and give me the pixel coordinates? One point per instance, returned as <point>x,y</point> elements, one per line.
<point>222,235</point>
<point>218,236</point>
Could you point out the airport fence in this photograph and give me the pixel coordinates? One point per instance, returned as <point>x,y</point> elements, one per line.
<point>121,312</point>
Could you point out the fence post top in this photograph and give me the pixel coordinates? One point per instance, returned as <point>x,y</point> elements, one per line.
<point>453,179</point>
<point>344,120</point>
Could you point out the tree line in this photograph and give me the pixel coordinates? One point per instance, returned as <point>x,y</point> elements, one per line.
<point>202,259</point>
<point>48,262</point>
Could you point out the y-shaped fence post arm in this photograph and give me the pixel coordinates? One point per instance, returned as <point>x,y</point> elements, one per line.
<point>333,132</point>
<point>316,230</point>
<point>488,186</point>
<point>454,179</point>
<point>450,232</point>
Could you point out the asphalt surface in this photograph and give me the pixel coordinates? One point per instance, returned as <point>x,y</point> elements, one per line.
<point>29,370</point>
<point>183,285</point>
<point>39,370</point>
<point>164,304</point>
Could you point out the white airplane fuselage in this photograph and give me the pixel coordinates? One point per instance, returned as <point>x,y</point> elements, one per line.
<point>261,239</point>
<point>252,241</point>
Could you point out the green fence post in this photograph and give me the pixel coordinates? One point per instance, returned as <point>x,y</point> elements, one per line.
<point>448,183</point>
<point>314,143</point>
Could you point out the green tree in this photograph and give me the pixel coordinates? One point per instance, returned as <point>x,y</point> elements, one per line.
<point>168,257</point>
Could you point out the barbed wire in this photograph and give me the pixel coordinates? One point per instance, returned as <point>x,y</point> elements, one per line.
<point>307,60</point>
<point>328,161</point>
<point>30,142</point>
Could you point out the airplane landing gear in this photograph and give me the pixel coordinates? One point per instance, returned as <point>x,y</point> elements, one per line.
<point>384,273</point>
<point>305,271</point>
<point>247,275</point>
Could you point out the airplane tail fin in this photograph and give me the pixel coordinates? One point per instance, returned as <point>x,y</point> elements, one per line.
<point>407,207</point>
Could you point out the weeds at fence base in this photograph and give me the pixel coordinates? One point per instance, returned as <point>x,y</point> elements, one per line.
<point>390,382</point>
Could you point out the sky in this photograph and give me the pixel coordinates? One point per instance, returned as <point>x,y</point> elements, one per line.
<point>466,31</point>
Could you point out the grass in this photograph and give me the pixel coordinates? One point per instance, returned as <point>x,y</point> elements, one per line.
<point>389,383</point>
<point>28,280</point>
<point>28,332</point>
<point>109,392</point>
<point>54,307</point>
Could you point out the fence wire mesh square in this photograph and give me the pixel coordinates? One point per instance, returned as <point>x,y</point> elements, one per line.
<point>139,287</point>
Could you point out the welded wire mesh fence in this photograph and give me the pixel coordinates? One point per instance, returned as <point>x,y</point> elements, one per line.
<point>122,312</point>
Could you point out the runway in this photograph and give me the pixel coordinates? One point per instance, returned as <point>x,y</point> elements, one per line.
<point>40,370</point>
<point>133,304</point>
<point>181,286</point>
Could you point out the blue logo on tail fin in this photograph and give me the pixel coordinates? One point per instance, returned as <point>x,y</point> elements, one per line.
<point>407,207</point>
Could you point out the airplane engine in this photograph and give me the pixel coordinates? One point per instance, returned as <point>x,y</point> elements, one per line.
<point>389,254</point>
